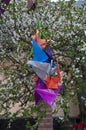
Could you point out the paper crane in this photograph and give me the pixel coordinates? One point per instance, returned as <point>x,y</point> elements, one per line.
<point>42,93</point>
<point>40,42</point>
<point>52,82</point>
<point>48,51</point>
<point>42,69</point>
<point>39,54</point>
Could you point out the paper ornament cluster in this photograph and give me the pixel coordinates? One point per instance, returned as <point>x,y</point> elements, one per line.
<point>48,83</point>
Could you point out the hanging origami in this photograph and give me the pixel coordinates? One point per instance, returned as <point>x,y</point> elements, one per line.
<point>41,42</point>
<point>52,82</point>
<point>42,93</point>
<point>39,54</point>
<point>49,52</point>
<point>42,69</point>
<point>48,83</point>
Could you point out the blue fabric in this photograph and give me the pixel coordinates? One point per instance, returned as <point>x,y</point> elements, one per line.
<point>39,55</point>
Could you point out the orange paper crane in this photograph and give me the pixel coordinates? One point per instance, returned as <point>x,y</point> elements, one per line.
<point>53,82</point>
<point>41,42</point>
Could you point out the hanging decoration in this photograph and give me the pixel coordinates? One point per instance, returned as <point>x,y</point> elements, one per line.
<point>48,81</point>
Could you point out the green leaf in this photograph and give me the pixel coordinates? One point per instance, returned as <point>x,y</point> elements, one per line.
<point>39,27</point>
<point>31,53</point>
